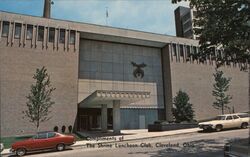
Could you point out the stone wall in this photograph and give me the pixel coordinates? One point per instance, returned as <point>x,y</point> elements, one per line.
<point>18,64</point>
<point>197,80</point>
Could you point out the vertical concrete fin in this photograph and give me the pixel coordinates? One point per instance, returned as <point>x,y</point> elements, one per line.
<point>167,84</point>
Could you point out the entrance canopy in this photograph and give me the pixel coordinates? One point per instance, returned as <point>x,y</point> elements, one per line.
<point>99,97</point>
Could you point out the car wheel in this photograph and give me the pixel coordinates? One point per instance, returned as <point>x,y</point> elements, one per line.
<point>20,152</point>
<point>218,128</point>
<point>60,147</point>
<point>244,125</point>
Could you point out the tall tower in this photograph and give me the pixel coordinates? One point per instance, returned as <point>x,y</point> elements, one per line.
<point>47,8</point>
<point>183,22</point>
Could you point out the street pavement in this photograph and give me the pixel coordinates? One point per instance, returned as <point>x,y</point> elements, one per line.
<point>196,144</point>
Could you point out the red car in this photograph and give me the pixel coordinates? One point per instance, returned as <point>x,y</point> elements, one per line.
<point>43,140</point>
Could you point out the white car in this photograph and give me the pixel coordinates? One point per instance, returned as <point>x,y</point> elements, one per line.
<point>227,121</point>
<point>1,147</point>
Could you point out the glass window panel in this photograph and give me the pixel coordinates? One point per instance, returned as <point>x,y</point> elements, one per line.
<point>18,27</point>
<point>51,34</point>
<point>62,36</point>
<point>42,136</point>
<point>51,134</point>
<point>40,33</point>
<point>5,31</point>
<point>29,33</point>
<point>72,37</point>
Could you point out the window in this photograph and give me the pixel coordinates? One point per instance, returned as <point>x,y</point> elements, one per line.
<point>29,33</point>
<point>181,50</point>
<point>72,37</point>
<point>42,136</point>
<point>18,27</point>
<point>188,51</point>
<point>62,36</point>
<point>229,118</point>
<point>175,50</point>
<point>51,134</point>
<point>40,33</point>
<point>243,115</point>
<point>51,34</point>
<point>235,117</point>
<point>5,31</point>
<point>220,118</point>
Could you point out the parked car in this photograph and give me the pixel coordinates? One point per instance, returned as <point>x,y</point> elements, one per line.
<point>238,120</point>
<point>239,148</point>
<point>1,147</point>
<point>43,140</point>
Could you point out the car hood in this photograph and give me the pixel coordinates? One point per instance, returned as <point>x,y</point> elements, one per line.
<point>210,122</point>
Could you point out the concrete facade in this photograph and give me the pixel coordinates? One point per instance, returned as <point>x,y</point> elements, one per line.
<point>19,59</point>
<point>107,66</point>
<point>100,59</point>
<point>197,80</point>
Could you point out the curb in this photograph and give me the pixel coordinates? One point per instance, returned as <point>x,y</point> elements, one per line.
<point>143,138</point>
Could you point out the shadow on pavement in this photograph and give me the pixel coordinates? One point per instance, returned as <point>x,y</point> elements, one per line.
<point>213,131</point>
<point>41,152</point>
<point>200,148</point>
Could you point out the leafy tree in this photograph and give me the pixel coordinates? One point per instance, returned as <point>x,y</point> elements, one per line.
<point>225,25</point>
<point>221,86</point>
<point>39,99</point>
<point>182,110</point>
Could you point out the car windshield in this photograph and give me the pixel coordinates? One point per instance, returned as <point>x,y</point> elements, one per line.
<point>220,118</point>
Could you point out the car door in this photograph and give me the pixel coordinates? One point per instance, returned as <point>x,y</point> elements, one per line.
<point>41,141</point>
<point>228,122</point>
<point>237,121</point>
<point>52,141</point>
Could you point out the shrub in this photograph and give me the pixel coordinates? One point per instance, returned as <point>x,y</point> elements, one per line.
<point>56,128</point>
<point>182,109</point>
<point>70,129</point>
<point>63,129</point>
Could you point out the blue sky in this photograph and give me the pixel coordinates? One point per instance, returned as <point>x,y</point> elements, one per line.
<point>155,16</point>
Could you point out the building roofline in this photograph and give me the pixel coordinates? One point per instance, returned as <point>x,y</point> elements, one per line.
<point>65,20</point>
<point>156,37</point>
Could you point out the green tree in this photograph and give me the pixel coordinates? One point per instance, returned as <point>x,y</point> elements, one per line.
<point>225,25</point>
<point>182,109</point>
<point>39,99</point>
<point>221,86</point>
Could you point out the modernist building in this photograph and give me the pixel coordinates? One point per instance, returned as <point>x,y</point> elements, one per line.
<point>104,77</point>
<point>184,22</point>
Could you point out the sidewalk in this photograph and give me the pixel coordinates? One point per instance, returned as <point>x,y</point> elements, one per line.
<point>127,135</point>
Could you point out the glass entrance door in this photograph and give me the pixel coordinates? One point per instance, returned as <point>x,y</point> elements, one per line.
<point>84,123</point>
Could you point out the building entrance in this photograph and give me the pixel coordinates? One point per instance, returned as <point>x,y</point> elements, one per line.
<point>89,119</point>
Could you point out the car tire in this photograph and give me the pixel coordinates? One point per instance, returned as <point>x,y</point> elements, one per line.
<point>60,147</point>
<point>244,125</point>
<point>218,128</point>
<point>21,152</point>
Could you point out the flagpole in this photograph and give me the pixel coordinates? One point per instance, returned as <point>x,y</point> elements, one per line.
<point>107,15</point>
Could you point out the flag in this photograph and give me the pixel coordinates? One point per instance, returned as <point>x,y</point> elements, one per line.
<point>107,13</point>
